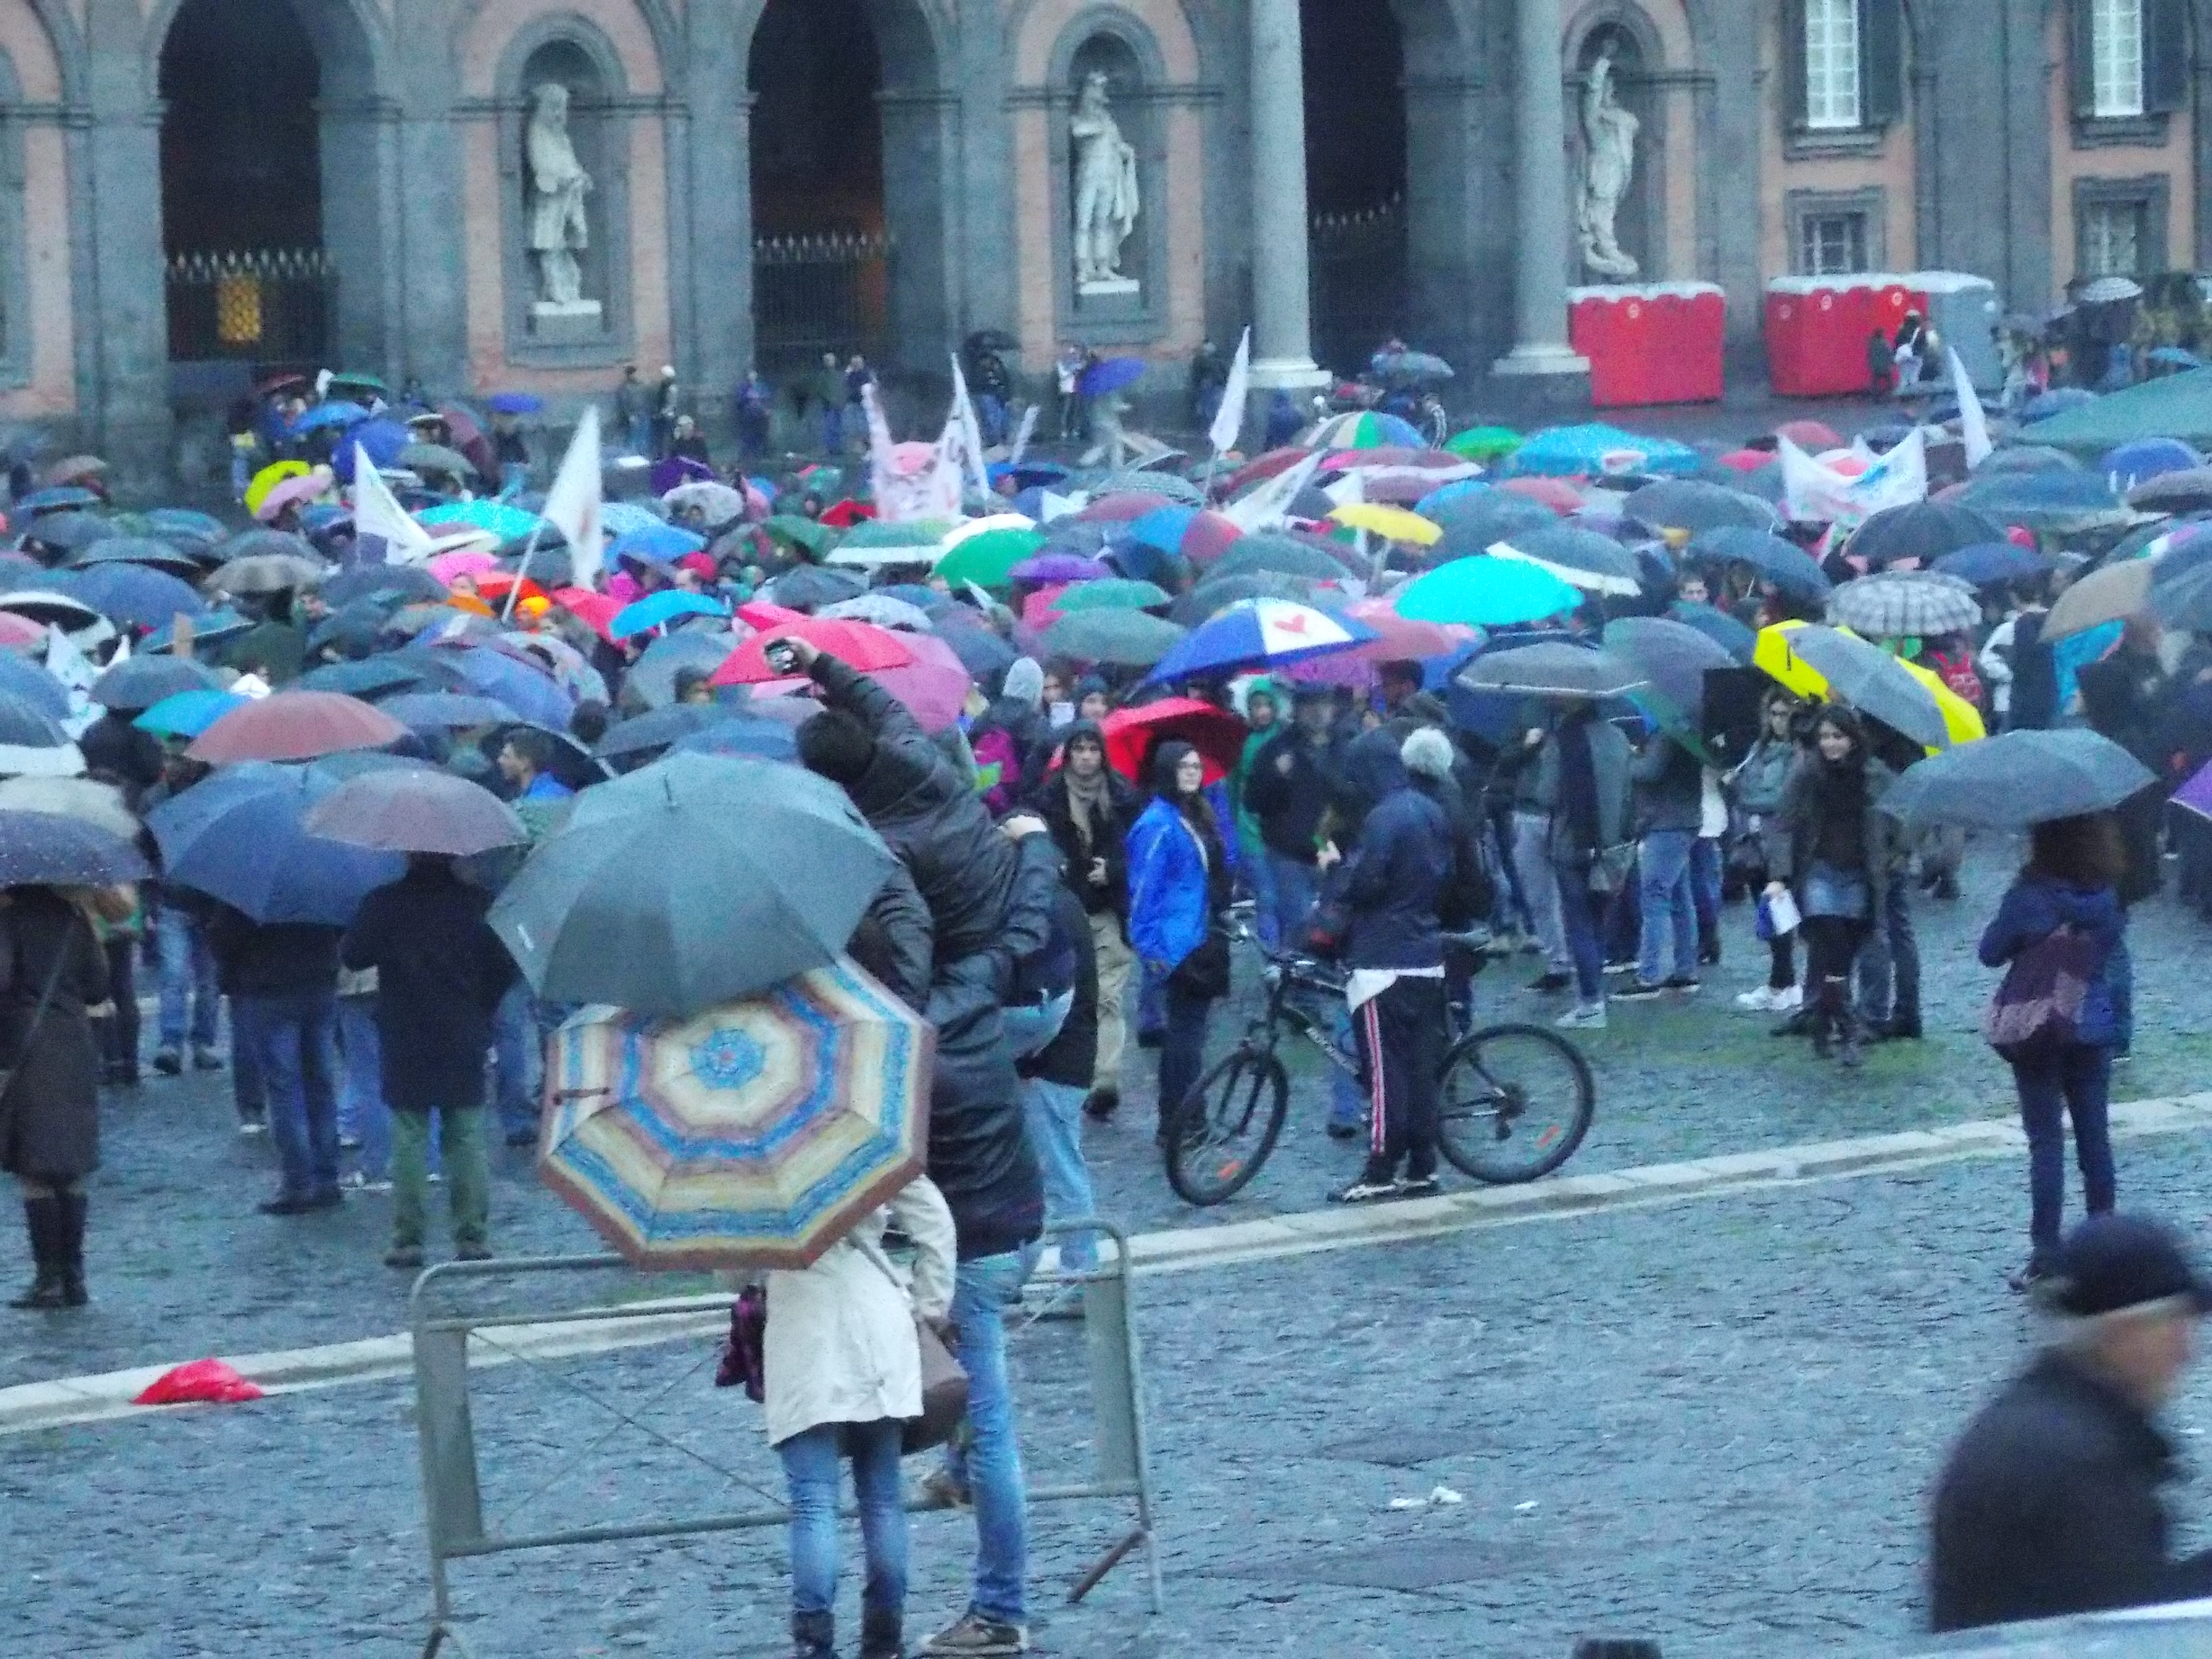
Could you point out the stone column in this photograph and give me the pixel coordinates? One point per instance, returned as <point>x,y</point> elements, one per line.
<point>1539,188</point>
<point>1282,302</point>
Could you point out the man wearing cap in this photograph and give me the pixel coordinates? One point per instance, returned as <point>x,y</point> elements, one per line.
<point>2049,1503</point>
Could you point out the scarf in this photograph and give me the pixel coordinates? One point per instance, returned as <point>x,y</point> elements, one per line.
<point>1084,799</point>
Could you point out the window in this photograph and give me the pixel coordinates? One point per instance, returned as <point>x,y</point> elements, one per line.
<point>2115,52</point>
<point>1831,244</point>
<point>2115,236</point>
<point>1831,64</point>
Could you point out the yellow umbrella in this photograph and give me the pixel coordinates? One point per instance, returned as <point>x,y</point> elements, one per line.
<point>269,478</point>
<point>1772,654</point>
<point>1960,718</point>
<point>1393,523</point>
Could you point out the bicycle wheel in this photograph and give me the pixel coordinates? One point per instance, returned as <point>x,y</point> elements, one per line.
<point>1228,1126</point>
<point>1516,1101</point>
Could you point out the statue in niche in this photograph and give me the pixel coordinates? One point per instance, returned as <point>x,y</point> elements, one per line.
<point>558,184</point>
<point>1608,163</point>
<point>1106,203</point>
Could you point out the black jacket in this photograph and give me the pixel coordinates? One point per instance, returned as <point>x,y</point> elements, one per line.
<point>1068,964</point>
<point>441,971</point>
<point>2049,1505</point>
<point>1106,842</point>
<point>1290,808</point>
<point>1670,787</point>
<point>932,820</point>
<point>1393,878</point>
<point>277,959</point>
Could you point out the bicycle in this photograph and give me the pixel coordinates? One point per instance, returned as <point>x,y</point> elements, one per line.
<point>1499,1120</point>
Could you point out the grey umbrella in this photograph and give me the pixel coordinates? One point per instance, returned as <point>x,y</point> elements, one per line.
<point>1672,655</point>
<point>1873,682</point>
<point>137,683</point>
<point>45,849</point>
<point>1687,504</point>
<point>1552,669</point>
<point>1581,558</point>
<point>2020,778</point>
<point>1897,604</point>
<point>651,682</point>
<point>698,880</point>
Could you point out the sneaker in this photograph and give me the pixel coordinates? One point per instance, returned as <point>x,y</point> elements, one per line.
<point>1686,985</point>
<point>354,1180</point>
<point>940,1490</point>
<point>169,1062</point>
<point>1625,965</point>
<point>2028,1277</point>
<point>974,1635</point>
<point>404,1256</point>
<point>1759,1000</point>
<point>206,1060</point>
<point>1551,981</point>
<point>253,1126</point>
<point>473,1253</point>
<point>1639,992</point>
<point>1419,1186</point>
<point>1344,1131</point>
<point>1790,1000</point>
<point>1582,1017</point>
<point>1364,1191</point>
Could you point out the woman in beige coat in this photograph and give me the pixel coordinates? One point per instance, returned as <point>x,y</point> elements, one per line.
<point>843,1377</point>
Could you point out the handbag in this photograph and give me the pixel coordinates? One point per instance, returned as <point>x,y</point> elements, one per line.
<point>943,1379</point>
<point>745,1354</point>
<point>1609,868</point>
<point>2039,1002</point>
<point>1205,971</point>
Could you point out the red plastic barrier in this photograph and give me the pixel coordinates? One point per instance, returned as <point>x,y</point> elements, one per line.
<point>1659,344</point>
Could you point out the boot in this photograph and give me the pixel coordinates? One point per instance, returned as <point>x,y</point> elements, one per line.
<point>881,1635</point>
<point>42,1220</point>
<point>814,1636</point>
<point>1847,1032</point>
<point>71,1242</point>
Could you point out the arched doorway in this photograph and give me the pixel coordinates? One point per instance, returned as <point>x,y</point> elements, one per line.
<point>1356,177</point>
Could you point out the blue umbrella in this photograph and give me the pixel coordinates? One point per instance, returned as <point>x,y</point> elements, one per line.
<point>27,680</point>
<point>748,739</point>
<point>338,414</point>
<point>39,849</point>
<point>1733,637</point>
<point>508,523</point>
<point>515,403</point>
<point>188,713</point>
<point>445,711</point>
<point>368,679</point>
<point>140,682</point>
<point>1162,528</point>
<point>222,624</point>
<point>237,837</point>
<point>186,520</point>
<point>1259,633</point>
<point>2174,357</point>
<point>618,519</point>
<point>1103,379</point>
<point>55,498</point>
<point>1594,450</point>
<point>2141,458</point>
<point>1987,563</point>
<point>658,610</point>
<point>383,439</point>
<point>531,694</point>
<point>1439,499</point>
<point>1788,565</point>
<point>656,542</point>
<point>399,581</point>
<point>2042,500</point>
<point>131,595</point>
<point>1147,563</point>
<point>2056,401</point>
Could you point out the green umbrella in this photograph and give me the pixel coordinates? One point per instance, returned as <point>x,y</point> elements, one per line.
<point>1484,443</point>
<point>1111,594</point>
<point>988,560</point>
<point>2172,406</point>
<point>805,534</point>
<point>917,532</point>
<point>1130,639</point>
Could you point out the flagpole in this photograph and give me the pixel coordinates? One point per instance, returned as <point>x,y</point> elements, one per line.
<point>522,569</point>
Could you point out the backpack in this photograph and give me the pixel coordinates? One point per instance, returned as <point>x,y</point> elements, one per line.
<point>1958,675</point>
<point>2038,1004</point>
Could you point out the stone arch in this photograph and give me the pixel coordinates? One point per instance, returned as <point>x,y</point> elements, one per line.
<point>628,40</point>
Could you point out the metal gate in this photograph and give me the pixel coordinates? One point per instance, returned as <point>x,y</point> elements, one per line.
<point>828,292</point>
<point>1357,261</point>
<point>265,305</point>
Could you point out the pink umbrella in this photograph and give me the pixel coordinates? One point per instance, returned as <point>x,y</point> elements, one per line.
<point>1554,493</point>
<point>293,492</point>
<point>21,633</point>
<point>1745,460</point>
<point>596,609</point>
<point>1401,638</point>
<point>1039,611</point>
<point>863,646</point>
<point>450,567</point>
<point>293,725</point>
<point>1122,506</point>
<point>934,686</point>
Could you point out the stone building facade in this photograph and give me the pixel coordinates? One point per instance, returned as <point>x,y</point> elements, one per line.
<point>193,189</point>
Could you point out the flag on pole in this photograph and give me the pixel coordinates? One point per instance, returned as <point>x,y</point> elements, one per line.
<point>971,430</point>
<point>1267,506</point>
<point>572,505</point>
<point>1228,419</point>
<point>1022,434</point>
<point>1973,423</point>
<point>1815,493</point>
<point>384,533</point>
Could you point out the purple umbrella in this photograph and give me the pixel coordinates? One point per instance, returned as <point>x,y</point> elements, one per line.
<point>1047,568</point>
<point>1110,376</point>
<point>525,689</point>
<point>415,811</point>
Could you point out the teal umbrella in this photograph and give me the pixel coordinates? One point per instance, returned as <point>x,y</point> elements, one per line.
<point>1485,593</point>
<point>1129,639</point>
<point>2172,406</point>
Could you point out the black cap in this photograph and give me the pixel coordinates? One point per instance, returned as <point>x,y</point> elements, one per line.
<point>2114,1262</point>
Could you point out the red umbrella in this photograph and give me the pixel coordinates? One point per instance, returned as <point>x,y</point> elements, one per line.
<point>596,611</point>
<point>1811,436</point>
<point>1744,460</point>
<point>1557,494</point>
<point>1401,638</point>
<point>934,686</point>
<point>761,614</point>
<point>293,725</point>
<point>1261,467</point>
<point>858,644</point>
<point>1132,734</point>
<point>843,515</point>
<point>1122,506</point>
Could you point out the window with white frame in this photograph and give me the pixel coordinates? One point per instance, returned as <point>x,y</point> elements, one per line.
<point>2116,69</point>
<point>1831,244</point>
<point>1831,64</point>
<point>2113,234</point>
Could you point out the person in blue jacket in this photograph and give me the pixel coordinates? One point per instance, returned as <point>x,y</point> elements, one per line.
<point>2071,882</point>
<point>1180,883</point>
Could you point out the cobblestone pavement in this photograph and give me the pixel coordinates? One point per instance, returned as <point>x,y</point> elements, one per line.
<point>1711,1423</point>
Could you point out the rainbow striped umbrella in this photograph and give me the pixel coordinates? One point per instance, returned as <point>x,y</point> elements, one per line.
<point>756,1135</point>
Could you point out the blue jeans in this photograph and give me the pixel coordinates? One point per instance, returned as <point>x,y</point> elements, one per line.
<point>2074,1081</point>
<point>833,428</point>
<point>991,1464</point>
<point>1296,887</point>
<point>1053,1112</point>
<point>362,1115</point>
<point>1662,859</point>
<point>1579,922</point>
<point>1706,889</point>
<point>810,1471</point>
<point>1889,961</point>
<point>191,1003</point>
<point>295,1035</point>
<point>1182,1047</point>
<point>641,434</point>
<point>1258,878</point>
<point>518,1050</point>
<point>249,1088</point>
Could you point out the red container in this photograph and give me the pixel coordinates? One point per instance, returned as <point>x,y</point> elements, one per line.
<point>1654,344</point>
<point>1817,329</point>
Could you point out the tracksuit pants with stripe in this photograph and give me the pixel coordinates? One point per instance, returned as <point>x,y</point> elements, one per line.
<point>1401,1036</point>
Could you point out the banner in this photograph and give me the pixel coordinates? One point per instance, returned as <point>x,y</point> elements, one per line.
<point>1228,419</point>
<point>1815,493</point>
<point>384,533</point>
<point>1266,507</point>
<point>1973,423</point>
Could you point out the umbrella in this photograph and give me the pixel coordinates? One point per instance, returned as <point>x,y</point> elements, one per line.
<point>1906,604</point>
<point>934,686</point>
<point>1132,735</point>
<point>445,711</point>
<point>881,609</point>
<point>187,714</point>
<point>2178,406</point>
<point>1991,564</point>
<point>137,549</point>
<point>1814,437</point>
<point>2018,779</point>
<point>2108,594</point>
<point>1110,375</point>
<point>2028,458</point>
<point>1191,533</point>
<point>2046,500</point>
<point>507,522</point>
<point>2174,492</point>
<point>1048,568</point>
<point>1284,554</point>
<point>1674,659</point>
<point>809,589</point>
<point>239,837</point>
<point>427,459</point>
<point>1925,531</point>
<point>258,488</point>
<point>1411,366</point>
<point>208,629</point>
<point>266,572</point>
<point>1484,443</point>
<point>655,543</point>
<point>293,492</point>
<point>753,1135</point>
<point>1391,523</point>
<point>295,726</point>
<point>32,684</point>
<point>2109,290</point>
<point>658,610</point>
<point>133,595</point>
<point>1788,565</point>
<point>1471,524</point>
<point>1485,593</point>
<point>658,729</point>
<point>694,881</point>
<point>86,799</point>
<point>410,809</point>
<point>59,609</point>
<point>55,498</point>
<point>514,402</point>
<point>1124,505</point>
<point>1686,504</point>
<point>520,683</point>
<point>988,560</point>
<point>33,743</point>
<point>1581,558</point>
<point>2142,460</point>
<point>1551,669</point>
<point>1594,450</point>
<point>397,582</point>
<point>715,503</point>
<point>336,413</point>
<point>742,738</point>
<point>46,849</point>
<point>1733,637</point>
<point>139,682</point>
<point>1255,633</point>
<point>1366,428</point>
<point>858,645</point>
<point>369,680</point>
<point>651,681</point>
<point>67,532</point>
<point>1870,680</point>
<point>1132,638</point>
<point>1114,594</point>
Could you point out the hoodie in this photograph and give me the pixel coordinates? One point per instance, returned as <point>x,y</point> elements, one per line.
<point>1395,871</point>
<point>2037,906</point>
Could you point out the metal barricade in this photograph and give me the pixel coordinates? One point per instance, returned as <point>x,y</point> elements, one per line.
<point>452,1497</point>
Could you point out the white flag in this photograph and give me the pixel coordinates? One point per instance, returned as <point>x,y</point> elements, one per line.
<point>572,505</point>
<point>1266,507</point>
<point>1228,419</point>
<point>1022,434</point>
<point>383,532</point>
<point>971,431</point>
<point>1974,424</point>
<point>1818,494</point>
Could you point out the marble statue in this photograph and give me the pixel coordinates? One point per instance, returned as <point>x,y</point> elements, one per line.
<point>1106,205</point>
<point>1608,163</point>
<point>558,184</point>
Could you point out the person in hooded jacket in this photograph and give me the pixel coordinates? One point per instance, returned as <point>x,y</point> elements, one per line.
<point>2064,911</point>
<point>1287,787</point>
<point>1014,735</point>
<point>1179,893</point>
<point>1089,809</point>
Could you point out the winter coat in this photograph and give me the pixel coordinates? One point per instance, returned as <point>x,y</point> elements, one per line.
<point>1610,759</point>
<point>272,959</point>
<point>1289,809</point>
<point>1108,840</point>
<point>2035,907</point>
<point>934,823</point>
<point>2048,1504</point>
<point>1169,912</point>
<point>1669,789</point>
<point>1758,782</point>
<point>1068,966</point>
<point>1791,833</point>
<point>48,1118</point>
<point>441,971</point>
<point>1394,875</point>
<point>840,1345</point>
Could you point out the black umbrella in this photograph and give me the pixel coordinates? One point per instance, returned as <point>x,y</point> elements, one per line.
<point>402,582</point>
<point>1552,669</point>
<point>1285,555</point>
<point>44,849</point>
<point>1672,656</point>
<point>2189,492</point>
<point>2019,779</point>
<point>1873,682</point>
<point>368,679</point>
<point>1925,531</point>
<point>982,653</point>
<point>1789,566</point>
<point>137,683</point>
<point>1686,504</point>
<point>137,549</point>
<point>810,587</point>
<point>1217,593</point>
